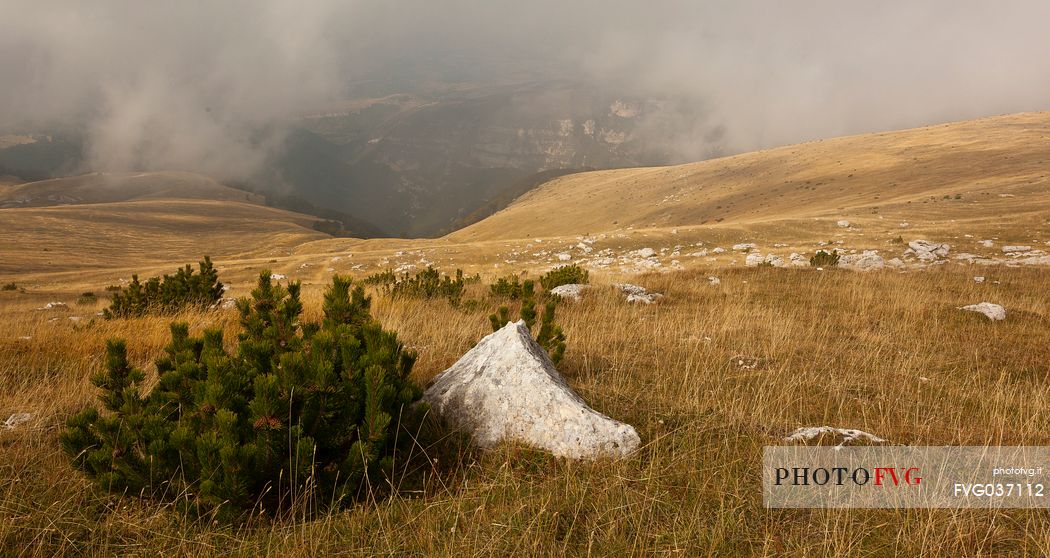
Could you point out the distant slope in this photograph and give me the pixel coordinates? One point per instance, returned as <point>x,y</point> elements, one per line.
<point>507,197</point>
<point>976,170</point>
<point>121,187</point>
<point>110,221</point>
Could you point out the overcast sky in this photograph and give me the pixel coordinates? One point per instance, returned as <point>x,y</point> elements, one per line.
<point>190,84</point>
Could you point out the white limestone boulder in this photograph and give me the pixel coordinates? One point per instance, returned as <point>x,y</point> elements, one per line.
<point>927,251</point>
<point>636,293</point>
<point>868,260</point>
<point>506,388</point>
<point>994,312</point>
<point>572,291</point>
<point>755,259</point>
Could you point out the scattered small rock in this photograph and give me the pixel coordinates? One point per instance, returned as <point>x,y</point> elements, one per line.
<point>54,306</point>
<point>1011,249</point>
<point>868,260</point>
<point>978,279</point>
<point>843,223</point>
<point>638,294</point>
<point>572,291</point>
<point>277,277</point>
<point>755,259</point>
<point>848,435</point>
<point>994,312</point>
<point>927,251</point>
<point>714,280</point>
<point>17,419</point>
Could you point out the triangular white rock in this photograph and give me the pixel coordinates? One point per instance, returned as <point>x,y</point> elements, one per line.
<point>506,388</point>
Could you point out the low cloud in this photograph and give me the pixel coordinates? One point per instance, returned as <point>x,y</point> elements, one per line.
<point>211,86</point>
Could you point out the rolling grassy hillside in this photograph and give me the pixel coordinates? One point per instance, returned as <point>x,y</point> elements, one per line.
<point>973,171</point>
<point>121,187</point>
<point>100,222</point>
<point>709,375</point>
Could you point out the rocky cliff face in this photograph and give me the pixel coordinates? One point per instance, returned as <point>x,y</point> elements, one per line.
<point>416,166</point>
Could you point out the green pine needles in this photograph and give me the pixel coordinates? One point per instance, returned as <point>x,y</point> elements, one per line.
<point>426,284</point>
<point>296,413</point>
<point>823,258</point>
<point>550,336</point>
<point>168,295</point>
<point>564,275</point>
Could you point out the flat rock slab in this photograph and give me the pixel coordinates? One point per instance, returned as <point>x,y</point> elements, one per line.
<point>992,311</point>
<point>506,388</point>
<point>636,293</point>
<point>572,291</point>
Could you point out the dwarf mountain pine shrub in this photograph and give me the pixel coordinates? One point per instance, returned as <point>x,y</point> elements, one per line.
<point>429,283</point>
<point>384,278</point>
<point>550,336</point>
<point>564,275</point>
<point>168,295</point>
<point>823,258</point>
<point>297,413</point>
<point>509,287</point>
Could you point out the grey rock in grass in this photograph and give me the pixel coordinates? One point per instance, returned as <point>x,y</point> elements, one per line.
<point>507,389</point>
<point>846,435</point>
<point>994,312</point>
<point>571,291</point>
<point>636,293</point>
<point>868,260</point>
<point>928,251</point>
<point>16,420</point>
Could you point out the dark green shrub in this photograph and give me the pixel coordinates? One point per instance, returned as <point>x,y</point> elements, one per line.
<point>9,287</point>
<point>167,295</point>
<point>564,275</point>
<point>296,414</point>
<point>383,279</point>
<point>509,287</point>
<point>823,258</point>
<point>87,297</point>
<point>429,283</point>
<point>550,336</point>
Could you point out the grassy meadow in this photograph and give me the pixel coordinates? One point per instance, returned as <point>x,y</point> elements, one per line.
<point>708,376</point>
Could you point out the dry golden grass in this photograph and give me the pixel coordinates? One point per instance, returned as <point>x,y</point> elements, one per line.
<point>836,348</point>
<point>886,352</point>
